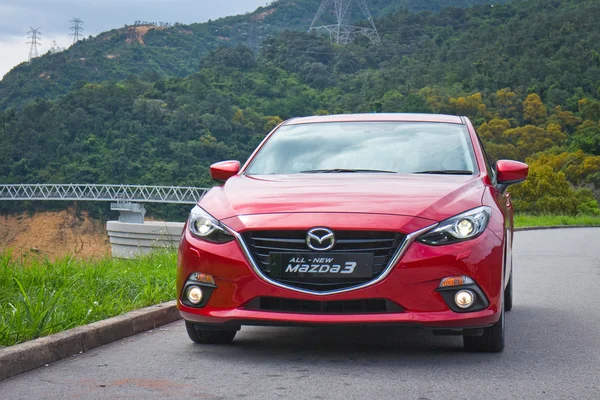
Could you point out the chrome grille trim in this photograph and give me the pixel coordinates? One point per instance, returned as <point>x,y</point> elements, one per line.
<point>382,244</point>
<point>410,238</point>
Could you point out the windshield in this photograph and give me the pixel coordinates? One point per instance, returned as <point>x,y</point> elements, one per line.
<point>392,147</point>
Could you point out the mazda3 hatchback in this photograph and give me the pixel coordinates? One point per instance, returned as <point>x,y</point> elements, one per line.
<point>374,219</point>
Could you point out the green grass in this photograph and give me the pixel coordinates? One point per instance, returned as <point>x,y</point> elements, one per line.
<point>555,220</point>
<point>39,297</point>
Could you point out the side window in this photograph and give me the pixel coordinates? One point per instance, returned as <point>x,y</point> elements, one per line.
<point>491,168</point>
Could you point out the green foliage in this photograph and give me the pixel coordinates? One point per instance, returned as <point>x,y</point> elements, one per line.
<point>518,70</point>
<point>39,297</point>
<point>155,52</point>
<point>139,132</point>
<point>587,137</point>
<point>549,192</point>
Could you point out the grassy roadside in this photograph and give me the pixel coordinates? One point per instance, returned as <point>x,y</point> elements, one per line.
<point>39,297</point>
<point>555,220</point>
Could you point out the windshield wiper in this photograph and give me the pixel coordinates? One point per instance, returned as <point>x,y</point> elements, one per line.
<point>446,172</point>
<point>342,170</point>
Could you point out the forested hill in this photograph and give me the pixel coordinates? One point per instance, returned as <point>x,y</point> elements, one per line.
<point>527,73</point>
<point>158,51</point>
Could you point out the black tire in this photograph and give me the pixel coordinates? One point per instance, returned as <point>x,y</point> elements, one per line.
<point>508,293</point>
<point>492,340</point>
<point>208,336</point>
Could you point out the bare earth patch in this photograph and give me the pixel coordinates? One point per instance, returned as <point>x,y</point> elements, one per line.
<point>136,33</point>
<point>262,15</point>
<point>54,234</point>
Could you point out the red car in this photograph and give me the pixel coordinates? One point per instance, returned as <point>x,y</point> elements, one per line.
<point>373,219</point>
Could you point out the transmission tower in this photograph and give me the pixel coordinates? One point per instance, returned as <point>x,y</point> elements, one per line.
<point>343,32</point>
<point>76,29</point>
<point>251,35</point>
<point>34,36</point>
<point>253,43</point>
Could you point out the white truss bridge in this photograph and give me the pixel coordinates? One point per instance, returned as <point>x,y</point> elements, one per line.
<point>122,194</point>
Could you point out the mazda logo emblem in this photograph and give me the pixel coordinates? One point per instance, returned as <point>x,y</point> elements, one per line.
<point>320,239</point>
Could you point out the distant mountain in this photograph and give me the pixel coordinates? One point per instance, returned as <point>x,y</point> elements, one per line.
<point>150,51</point>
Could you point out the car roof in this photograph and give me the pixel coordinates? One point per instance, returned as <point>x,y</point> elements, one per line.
<point>398,117</point>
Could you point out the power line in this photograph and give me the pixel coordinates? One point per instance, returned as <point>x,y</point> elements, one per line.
<point>343,32</point>
<point>76,29</point>
<point>34,35</point>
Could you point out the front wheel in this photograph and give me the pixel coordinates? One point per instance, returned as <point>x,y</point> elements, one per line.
<point>492,340</point>
<point>208,336</point>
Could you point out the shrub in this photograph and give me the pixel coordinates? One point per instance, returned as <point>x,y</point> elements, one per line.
<point>547,191</point>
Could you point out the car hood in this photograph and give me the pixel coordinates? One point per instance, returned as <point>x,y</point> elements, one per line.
<point>434,197</point>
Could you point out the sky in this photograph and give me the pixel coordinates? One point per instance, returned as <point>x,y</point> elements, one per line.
<point>53,16</point>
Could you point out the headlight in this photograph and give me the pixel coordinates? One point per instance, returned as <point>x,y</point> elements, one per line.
<point>464,226</point>
<point>203,226</point>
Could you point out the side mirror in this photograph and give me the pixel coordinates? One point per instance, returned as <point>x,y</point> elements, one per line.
<point>509,172</point>
<point>224,170</point>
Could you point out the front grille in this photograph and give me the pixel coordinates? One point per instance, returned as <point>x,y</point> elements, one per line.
<point>382,244</point>
<point>362,306</point>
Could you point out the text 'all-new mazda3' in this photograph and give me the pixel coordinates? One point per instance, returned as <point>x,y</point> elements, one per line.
<point>354,219</point>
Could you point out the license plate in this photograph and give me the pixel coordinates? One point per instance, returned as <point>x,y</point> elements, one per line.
<point>311,266</point>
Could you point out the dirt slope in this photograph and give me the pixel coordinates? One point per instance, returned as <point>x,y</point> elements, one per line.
<point>54,234</point>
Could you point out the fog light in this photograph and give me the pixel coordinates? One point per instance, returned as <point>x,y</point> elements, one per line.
<point>464,298</point>
<point>194,294</point>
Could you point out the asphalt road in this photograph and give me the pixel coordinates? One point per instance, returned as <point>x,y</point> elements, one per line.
<point>552,351</point>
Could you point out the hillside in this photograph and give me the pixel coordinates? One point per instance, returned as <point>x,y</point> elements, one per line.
<point>527,73</point>
<point>152,51</point>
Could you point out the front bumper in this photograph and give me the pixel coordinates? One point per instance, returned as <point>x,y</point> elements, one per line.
<point>411,283</point>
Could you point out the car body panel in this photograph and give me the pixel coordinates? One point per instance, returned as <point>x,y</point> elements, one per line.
<point>346,193</point>
<point>403,203</point>
<point>411,284</point>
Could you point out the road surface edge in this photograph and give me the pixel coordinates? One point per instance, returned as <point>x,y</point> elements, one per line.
<point>30,355</point>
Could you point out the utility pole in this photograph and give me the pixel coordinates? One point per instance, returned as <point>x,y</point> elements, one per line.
<point>342,31</point>
<point>34,35</point>
<point>76,29</point>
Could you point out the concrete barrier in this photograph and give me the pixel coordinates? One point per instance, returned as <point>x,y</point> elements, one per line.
<point>132,240</point>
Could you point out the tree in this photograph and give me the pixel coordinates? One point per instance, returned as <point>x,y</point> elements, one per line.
<point>271,123</point>
<point>392,101</point>
<point>493,130</point>
<point>506,103</point>
<point>567,120</point>
<point>531,139</point>
<point>471,106</point>
<point>579,168</point>
<point>534,111</point>
<point>587,137</point>
<point>548,192</point>
<point>589,109</point>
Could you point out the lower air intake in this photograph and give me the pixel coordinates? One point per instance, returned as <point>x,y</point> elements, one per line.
<point>362,306</point>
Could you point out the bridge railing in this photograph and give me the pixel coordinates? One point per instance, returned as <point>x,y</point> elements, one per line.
<point>91,192</point>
